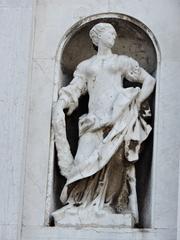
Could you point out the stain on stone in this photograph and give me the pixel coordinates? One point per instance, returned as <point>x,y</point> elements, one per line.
<point>133,127</point>
<point>106,130</point>
<point>132,145</point>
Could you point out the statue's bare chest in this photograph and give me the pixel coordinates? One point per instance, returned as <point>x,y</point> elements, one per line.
<point>104,74</point>
<point>102,65</point>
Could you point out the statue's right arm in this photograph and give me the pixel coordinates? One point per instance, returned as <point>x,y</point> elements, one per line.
<point>69,95</point>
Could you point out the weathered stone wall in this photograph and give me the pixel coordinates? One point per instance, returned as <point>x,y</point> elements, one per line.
<point>15,51</point>
<point>26,112</point>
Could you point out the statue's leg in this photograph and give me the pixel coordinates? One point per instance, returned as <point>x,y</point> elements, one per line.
<point>82,191</point>
<point>86,145</point>
<point>133,206</point>
<point>118,191</point>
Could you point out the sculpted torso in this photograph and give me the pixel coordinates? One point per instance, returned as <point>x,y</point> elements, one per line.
<point>104,82</point>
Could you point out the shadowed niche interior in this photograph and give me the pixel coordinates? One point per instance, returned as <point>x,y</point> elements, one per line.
<point>132,41</point>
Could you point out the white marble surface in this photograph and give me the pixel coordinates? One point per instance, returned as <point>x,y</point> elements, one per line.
<point>95,220</point>
<point>178,213</point>
<point>16,4</point>
<point>56,17</point>
<point>42,233</point>
<point>38,141</point>
<point>15,43</point>
<point>165,192</point>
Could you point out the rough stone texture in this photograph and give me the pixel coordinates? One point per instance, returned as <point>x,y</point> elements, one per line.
<point>39,132</point>
<point>165,193</point>
<point>15,35</point>
<point>56,17</point>
<point>178,218</point>
<point>36,233</point>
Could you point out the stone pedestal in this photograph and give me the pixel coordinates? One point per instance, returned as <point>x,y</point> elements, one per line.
<point>85,218</point>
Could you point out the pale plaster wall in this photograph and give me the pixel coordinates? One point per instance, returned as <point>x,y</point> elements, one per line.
<point>15,45</point>
<point>178,213</point>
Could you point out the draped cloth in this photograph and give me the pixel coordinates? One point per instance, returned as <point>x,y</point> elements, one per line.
<point>127,126</point>
<point>103,174</point>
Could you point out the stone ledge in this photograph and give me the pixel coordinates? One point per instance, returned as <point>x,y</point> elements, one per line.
<point>92,219</point>
<point>72,233</point>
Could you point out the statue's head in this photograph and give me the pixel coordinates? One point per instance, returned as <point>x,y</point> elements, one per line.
<point>103,32</point>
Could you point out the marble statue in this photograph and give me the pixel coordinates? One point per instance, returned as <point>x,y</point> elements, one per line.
<point>101,177</point>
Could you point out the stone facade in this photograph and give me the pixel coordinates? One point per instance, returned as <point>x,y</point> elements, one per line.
<point>31,32</point>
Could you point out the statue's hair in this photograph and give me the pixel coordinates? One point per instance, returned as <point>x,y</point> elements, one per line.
<point>97,30</point>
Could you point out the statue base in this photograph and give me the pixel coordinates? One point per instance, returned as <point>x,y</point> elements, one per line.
<point>77,217</point>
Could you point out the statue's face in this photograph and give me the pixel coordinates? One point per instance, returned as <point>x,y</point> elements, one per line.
<point>108,37</point>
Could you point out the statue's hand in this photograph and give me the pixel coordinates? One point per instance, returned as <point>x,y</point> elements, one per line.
<point>138,104</point>
<point>71,108</point>
<point>138,101</point>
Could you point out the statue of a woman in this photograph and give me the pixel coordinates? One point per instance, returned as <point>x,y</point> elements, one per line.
<point>101,177</point>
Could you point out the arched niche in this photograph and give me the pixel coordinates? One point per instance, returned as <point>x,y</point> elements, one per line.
<point>135,40</point>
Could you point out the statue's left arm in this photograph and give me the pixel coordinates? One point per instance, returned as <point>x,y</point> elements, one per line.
<point>134,73</point>
<point>148,83</point>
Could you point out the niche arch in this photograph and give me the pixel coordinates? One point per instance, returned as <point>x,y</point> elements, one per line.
<point>135,40</point>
